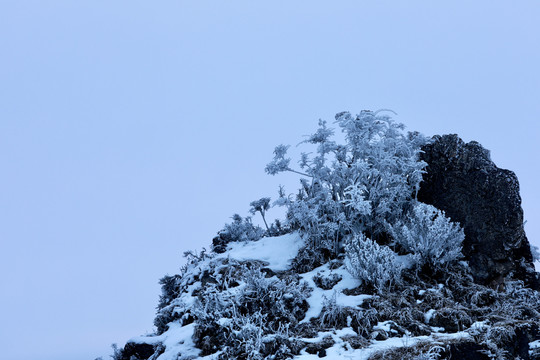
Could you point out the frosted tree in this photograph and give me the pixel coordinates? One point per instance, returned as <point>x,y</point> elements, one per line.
<point>382,166</point>
<point>356,187</point>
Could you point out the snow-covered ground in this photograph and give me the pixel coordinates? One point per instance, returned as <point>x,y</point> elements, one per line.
<point>277,253</point>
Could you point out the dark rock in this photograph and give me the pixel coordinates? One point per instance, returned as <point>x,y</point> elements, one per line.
<point>134,351</point>
<point>379,335</point>
<point>219,243</point>
<point>320,347</point>
<point>465,351</point>
<point>462,181</point>
<point>268,273</point>
<point>518,345</point>
<point>418,329</point>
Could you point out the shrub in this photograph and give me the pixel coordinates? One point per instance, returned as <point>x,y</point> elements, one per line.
<point>430,236</point>
<point>246,337</point>
<point>334,315</point>
<point>283,301</point>
<point>241,229</point>
<point>423,350</point>
<point>372,263</point>
<point>238,319</point>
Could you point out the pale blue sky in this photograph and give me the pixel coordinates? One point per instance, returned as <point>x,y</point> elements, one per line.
<point>130,131</point>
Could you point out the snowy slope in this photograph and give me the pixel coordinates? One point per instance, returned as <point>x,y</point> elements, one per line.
<point>276,253</point>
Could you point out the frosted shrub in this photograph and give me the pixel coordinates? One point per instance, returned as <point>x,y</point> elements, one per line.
<point>241,229</point>
<point>371,263</point>
<point>430,236</point>
<point>238,319</point>
<point>246,336</point>
<point>283,301</point>
<point>173,286</point>
<point>318,218</point>
<point>334,315</point>
<point>381,166</point>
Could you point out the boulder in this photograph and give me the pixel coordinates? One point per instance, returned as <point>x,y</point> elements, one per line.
<point>466,350</point>
<point>137,351</point>
<point>462,181</point>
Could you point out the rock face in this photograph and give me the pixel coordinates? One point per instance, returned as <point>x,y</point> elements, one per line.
<point>462,180</point>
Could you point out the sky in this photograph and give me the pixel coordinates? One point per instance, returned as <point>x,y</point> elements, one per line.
<point>131,131</point>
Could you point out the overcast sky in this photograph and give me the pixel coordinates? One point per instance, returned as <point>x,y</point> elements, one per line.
<point>130,131</point>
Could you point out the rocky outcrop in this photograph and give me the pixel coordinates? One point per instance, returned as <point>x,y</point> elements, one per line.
<point>260,295</point>
<point>462,180</point>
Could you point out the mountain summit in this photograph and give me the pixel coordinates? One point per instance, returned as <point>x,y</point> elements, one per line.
<point>395,246</point>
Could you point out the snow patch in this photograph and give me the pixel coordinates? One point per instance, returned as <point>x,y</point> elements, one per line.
<point>177,340</point>
<point>428,315</point>
<point>534,348</point>
<point>277,251</point>
<point>384,326</point>
<point>318,295</point>
<point>342,350</point>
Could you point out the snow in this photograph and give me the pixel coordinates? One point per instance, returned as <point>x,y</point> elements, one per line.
<point>479,326</point>
<point>384,326</point>
<point>342,350</point>
<point>351,300</point>
<point>534,347</point>
<point>318,296</point>
<point>334,334</point>
<point>405,261</point>
<point>277,251</point>
<point>428,315</point>
<point>224,321</point>
<point>177,340</point>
